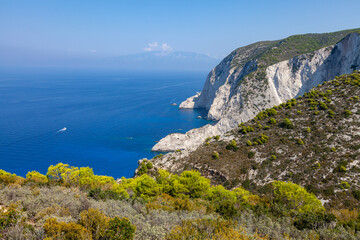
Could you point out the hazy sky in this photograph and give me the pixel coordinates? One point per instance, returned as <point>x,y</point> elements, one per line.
<point>118,27</point>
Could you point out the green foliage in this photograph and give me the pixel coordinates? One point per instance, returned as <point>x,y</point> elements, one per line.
<point>9,216</point>
<point>215,155</point>
<point>272,121</point>
<point>99,194</point>
<point>251,154</point>
<point>356,194</point>
<point>223,200</point>
<point>9,178</point>
<point>158,156</point>
<point>208,139</point>
<point>209,229</point>
<point>120,229</point>
<point>290,103</point>
<point>196,185</point>
<point>36,177</point>
<point>266,113</point>
<point>144,167</point>
<point>344,185</point>
<point>347,112</point>
<point>308,130</point>
<point>316,166</point>
<point>249,143</point>
<point>314,220</point>
<point>296,198</point>
<point>247,129</point>
<point>272,157</point>
<point>95,222</point>
<point>266,127</point>
<point>300,141</point>
<point>323,106</point>
<point>74,176</point>
<point>232,146</point>
<point>331,114</point>
<point>261,139</point>
<point>287,124</point>
<point>217,137</point>
<point>67,231</point>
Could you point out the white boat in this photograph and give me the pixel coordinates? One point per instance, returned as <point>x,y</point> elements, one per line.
<point>62,130</point>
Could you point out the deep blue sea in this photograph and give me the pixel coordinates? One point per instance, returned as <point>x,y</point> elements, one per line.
<point>112,118</point>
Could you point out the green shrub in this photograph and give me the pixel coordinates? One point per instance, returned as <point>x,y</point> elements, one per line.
<point>9,216</point>
<point>261,139</point>
<point>99,194</point>
<point>331,114</point>
<point>273,157</point>
<point>296,198</point>
<point>344,185</point>
<point>95,222</point>
<point>314,221</point>
<point>158,156</point>
<point>251,154</point>
<point>232,146</point>
<point>36,177</point>
<point>149,165</point>
<point>215,155</point>
<point>356,194</point>
<point>120,229</point>
<point>272,121</point>
<point>300,141</point>
<point>308,130</point>
<point>323,106</point>
<point>249,143</point>
<point>316,166</point>
<point>62,230</point>
<point>347,113</point>
<point>266,127</point>
<point>247,129</point>
<point>223,200</point>
<point>217,137</point>
<point>287,124</point>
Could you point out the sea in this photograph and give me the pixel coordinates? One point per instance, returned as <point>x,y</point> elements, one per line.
<point>106,120</point>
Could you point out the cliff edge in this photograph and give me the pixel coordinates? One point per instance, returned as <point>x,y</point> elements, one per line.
<point>262,75</point>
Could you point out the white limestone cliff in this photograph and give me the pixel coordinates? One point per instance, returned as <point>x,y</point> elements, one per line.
<point>231,95</point>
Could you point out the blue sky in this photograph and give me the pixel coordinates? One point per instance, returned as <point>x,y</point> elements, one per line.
<point>118,27</point>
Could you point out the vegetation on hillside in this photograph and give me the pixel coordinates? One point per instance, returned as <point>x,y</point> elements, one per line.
<point>271,52</point>
<point>312,141</point>
<point>74,203</point>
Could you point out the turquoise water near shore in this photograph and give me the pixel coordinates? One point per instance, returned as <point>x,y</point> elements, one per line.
<point>112,119</point>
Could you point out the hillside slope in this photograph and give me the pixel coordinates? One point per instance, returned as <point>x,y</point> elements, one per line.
<point>313,140</point>
<point>265,74</point>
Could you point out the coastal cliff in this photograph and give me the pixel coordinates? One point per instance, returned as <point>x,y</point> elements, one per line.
<point>263,75</point>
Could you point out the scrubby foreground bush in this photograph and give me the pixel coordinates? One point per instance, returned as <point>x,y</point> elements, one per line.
<point>74,203</point>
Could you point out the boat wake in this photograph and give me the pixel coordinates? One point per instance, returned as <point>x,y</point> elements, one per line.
<point>62,130</point>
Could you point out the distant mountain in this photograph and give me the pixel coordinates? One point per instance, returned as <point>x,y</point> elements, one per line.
<point>154,60</point>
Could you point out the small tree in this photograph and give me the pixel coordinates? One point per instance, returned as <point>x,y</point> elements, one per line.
<point>120,229</point>
<point>295,197</point>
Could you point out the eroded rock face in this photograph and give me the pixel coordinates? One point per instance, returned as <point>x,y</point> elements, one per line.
<point>233,94</point>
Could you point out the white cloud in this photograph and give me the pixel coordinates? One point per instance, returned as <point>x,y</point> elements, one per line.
<point>166,47</point>
<point>155,46</point>
<point>93,51</point>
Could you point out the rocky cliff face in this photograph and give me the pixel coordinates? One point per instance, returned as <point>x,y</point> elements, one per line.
<point>242,85</point>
